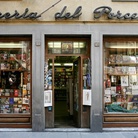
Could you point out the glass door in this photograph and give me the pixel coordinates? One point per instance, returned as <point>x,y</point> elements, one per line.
<point>82,92</point>
<point>77,91</point>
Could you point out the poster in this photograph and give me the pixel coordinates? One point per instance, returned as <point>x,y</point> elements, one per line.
<point>124,80</point>
<point>47,98</point>
<point>87,97</point>
<point>107,98</point>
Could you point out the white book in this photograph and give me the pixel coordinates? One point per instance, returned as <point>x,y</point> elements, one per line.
<point>132,70</point>
<point>124,80</point>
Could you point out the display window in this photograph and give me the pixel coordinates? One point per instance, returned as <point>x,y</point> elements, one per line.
<point>15,79</point>
<point>121,76</point>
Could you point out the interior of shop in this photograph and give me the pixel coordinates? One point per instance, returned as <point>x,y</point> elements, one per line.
<point>63,91</point>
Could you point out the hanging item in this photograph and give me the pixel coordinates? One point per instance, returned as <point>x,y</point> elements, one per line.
<point>11,78</point>
<point>88,72</point>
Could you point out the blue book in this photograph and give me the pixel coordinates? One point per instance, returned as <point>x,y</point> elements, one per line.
<point>11,100</point>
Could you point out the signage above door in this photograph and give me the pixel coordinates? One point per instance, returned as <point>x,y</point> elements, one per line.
<point>103,11</point>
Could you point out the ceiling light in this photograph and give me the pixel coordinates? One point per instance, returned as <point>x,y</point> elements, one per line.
<point>11,45</point>
<point>68,64</point>
<point>55,64</point>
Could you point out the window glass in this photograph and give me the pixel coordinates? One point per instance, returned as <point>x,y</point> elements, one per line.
<point>121,77</point>
<point>15,77</point>
<point>67,47</point>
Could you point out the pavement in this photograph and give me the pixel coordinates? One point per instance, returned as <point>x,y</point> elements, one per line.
<point>67,134</point>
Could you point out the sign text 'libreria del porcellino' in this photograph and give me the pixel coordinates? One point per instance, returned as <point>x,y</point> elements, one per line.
<point>103,11</point>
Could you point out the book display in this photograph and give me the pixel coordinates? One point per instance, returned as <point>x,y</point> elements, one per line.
<point>62,74</point>
<point>15,79</point>
<point>120,79</point>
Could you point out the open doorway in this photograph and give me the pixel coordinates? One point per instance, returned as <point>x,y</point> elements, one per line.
<point>63,92</point>
<point>67,79</point>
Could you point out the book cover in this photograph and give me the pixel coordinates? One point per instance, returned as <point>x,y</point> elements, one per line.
<point>126,59</point>
<point>16,92</point>
<point>112,59</point>
<point>132,70</point>
<point>119,59</point>
<point>11,100</point>
<point>124,80</point>
<point>118,89</point>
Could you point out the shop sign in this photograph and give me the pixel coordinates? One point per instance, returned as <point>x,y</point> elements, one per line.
<point>68,15</point>
<point>35,15</point>
<point>105,10</point>
<point>63,15</point>
<point>17,15</point>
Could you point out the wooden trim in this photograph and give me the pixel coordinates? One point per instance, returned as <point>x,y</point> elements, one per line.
<point>15,120</point>
<point>15,115</point>
<point>17,38</point>
<point>122,115</point>
<point>15,125</point>
<point>109,38</point>
<point>109,125</point>
<point>121,119</point>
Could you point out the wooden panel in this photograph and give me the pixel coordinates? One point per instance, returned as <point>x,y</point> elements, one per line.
<point>109,125</point>
<point>120,119</point>
<point>49,118</point>
<point>14,120</point>
<point>15,115</point>
<point>85,117</point>
<point>15,126</point>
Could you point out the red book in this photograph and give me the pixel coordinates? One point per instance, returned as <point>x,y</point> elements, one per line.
<point>16,92</point>
<point>118,89</point>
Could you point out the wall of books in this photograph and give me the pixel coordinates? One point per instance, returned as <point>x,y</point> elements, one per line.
<point>121,77</point>
<point>15,78</point>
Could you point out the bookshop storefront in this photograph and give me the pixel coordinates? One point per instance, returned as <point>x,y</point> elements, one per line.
<point>70,67</point>
<point>104,59</point>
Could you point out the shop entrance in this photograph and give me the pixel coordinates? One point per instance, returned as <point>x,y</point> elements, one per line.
<point>63,91</point>
<point>66,78</point>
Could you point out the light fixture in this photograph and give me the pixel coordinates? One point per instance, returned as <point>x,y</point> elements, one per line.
<point>57,44</point>
<point>50,44</point>
<point>124,45</point>
<point>55,64</point>
<point>68,64</point>
<point>11,45</point>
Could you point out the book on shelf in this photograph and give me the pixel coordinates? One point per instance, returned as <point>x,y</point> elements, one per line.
<point>124,80</point>
<point>119,58</point>
<point>132,70</point>
<point>16,92</point>
<point>11,100</point>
